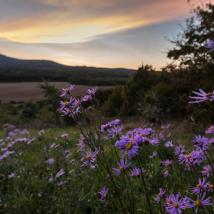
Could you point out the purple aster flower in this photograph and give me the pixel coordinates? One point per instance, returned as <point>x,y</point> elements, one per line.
<point>86,99</point>
<point>81,145</point>
<point>161,195</point>
<point>127,146</point>
<point>201,187</point>
<point>207,171</point>
<point>5,155</point>
<point>112,128</point>
<point>169,144</point>
<point>201,142</point>
<point>89,159</point>
<point>103,193</point>
<point>166,163</point>
<point>201,96</point>
<point>154,141</point>
<point>196,157</point>
<point>136,172</point>
<point>70,108</point>
<point>210,130</point>
<point>201,201</point>
<point>50,161</point>
<point>91,91</point>
<point>60,173</point>
<point>175,204</point>
<point>122,166</point>
<point>179,150</point>
<point>66,92</point>
<point>209,44</point>
<point>166,173</point>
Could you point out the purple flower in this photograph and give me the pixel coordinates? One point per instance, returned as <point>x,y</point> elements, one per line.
<point>103,193</point>
<point>136,172</point>
<point>175,204</point>
<point>202,187</point>
<point>127,146</point>
<point>60,173</point>
<point>91,91</point>
<point>210,130</point>
<point>89,159</point>
<point>166,173</point>
<point>166,163</point>
<point>50,161</point>
<point>201,142</point>
<point>81,145</point>
<point>112,128</point>
<point>122,166</point>
<point>70,108</point>
<point>179,150</point>
<point>160,195</point>
<point>154,141</point>
<point>5,155</point>
<point>169,144</point>
<point>66,92</point>
<point>196,157</point>
<point>209,44</point>
<point>201,96</point>
<point>207,171</point>
<point>86,99</point>
<point>201,202</point>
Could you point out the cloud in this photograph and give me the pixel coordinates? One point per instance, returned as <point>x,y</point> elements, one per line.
<point>127,48</point>
<point>78,20</point>
<point>110,33</point>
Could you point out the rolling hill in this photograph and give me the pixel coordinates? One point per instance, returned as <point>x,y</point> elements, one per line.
<point>19,70</point>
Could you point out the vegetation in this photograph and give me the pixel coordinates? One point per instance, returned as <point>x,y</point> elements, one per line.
<point>14,70</point>
<point>159,95</point>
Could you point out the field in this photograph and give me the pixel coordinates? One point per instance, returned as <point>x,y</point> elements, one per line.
<point>94,166</point>
<point>30,91</point>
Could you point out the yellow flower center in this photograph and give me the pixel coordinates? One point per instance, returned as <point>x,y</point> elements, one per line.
<point>128,145</point>
<point>175,204</point>
<point>198,185</point>
<point>188,156</point>
<point>88,157</point>
<point>197,203</point>
<point>66,102</point>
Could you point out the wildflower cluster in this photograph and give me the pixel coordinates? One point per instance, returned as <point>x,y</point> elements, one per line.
<point>71,106</point>
<point>139,156</point>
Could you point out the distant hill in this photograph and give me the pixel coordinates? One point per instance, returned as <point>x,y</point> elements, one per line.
<point>18,70</point>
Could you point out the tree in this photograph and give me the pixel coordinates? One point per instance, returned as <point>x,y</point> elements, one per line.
<point>189,49</point>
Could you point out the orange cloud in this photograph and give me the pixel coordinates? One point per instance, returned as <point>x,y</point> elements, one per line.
<point>78,20</point>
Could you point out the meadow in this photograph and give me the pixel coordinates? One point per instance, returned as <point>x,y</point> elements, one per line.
<point>99,166</point>
<point>144,147</point>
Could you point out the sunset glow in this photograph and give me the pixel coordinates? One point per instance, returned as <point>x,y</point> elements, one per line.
<point>119,33</point>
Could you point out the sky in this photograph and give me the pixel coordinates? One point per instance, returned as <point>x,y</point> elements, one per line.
<point>103,33</point>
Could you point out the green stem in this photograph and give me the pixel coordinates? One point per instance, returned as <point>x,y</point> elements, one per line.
<point>145,189</point>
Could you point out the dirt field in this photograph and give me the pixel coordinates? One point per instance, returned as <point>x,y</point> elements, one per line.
<point>30,91</point>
